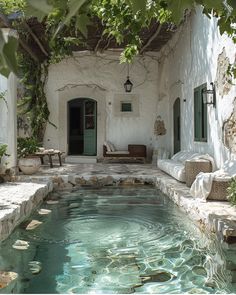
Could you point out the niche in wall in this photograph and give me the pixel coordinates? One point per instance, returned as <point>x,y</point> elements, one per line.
<point>126,105</point>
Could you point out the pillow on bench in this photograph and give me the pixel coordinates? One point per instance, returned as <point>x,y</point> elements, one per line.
<point>109,146</point>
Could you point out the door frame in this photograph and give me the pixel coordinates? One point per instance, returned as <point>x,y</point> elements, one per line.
<point>81,99</point>
<point>66,94</point>
<point>177,102</point>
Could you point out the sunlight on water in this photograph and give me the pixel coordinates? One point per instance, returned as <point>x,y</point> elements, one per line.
<point>115,240</point>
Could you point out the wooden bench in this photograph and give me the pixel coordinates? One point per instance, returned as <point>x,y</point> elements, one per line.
<point>50,154</point>
<point>134,152</point>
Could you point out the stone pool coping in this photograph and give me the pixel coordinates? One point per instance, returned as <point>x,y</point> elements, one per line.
<point>18,199</point>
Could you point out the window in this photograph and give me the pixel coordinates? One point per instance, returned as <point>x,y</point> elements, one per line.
<point>126,106</point>
<point>200,115</point>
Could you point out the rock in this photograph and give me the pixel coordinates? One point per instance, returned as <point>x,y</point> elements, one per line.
<point>6,277</point>
<point>57,179</point>
<point>35,267</point>
<point>108,181</point>
<point>44,211</point>
<point>211,284</point>
<point>199,270</point>
<point>52,202</point>
<point>159,276</point>
<point>80,181</point>
<point>93,180</point>
<point>74,205</point>
<point>33,224</point>
<point>197,291</point>
<point>21,245</point>
<point>127,181</point>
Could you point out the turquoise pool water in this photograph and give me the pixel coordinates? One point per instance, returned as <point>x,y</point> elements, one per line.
<point>115,240</point>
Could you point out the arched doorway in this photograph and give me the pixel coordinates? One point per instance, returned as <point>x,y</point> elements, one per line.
<point>82,127</point>
<point>176,120</point>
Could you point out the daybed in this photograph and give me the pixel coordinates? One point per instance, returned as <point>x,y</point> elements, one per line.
<point>135,151</point>
<point>176,165</point>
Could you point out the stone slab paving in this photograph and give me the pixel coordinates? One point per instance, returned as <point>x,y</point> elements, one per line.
<point>17,200</point>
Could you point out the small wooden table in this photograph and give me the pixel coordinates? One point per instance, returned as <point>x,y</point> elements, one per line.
<point>50,154</point>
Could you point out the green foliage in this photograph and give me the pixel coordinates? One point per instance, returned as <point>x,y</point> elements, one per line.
<point>232,191</point>
<point>8,49</point>
<point>34,102</point>
<point>123,20</point>
<point>3,151</point>
<point>26,146</point>
<point>3,96</point>
<point>10,6</point>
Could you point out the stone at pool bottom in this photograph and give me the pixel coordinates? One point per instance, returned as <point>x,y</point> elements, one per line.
<point>159,276</point>
<point>6,278</point>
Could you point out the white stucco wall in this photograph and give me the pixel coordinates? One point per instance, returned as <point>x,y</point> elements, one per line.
<point>187,61</point>
<point>101,78</point>
<point>8,120</point>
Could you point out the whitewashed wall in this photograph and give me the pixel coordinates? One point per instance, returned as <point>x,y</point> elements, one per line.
<point>8,120</point>
<point>101,78</point>
<point>187,61</point>
<point>8,117</point>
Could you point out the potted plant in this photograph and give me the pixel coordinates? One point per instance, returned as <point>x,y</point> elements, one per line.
<point>3,152</point>
<point>28,161</point>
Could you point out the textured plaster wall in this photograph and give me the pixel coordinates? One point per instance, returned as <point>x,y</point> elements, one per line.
<point>101,78</point>
<point>8,119</point>
<point>196,55</point>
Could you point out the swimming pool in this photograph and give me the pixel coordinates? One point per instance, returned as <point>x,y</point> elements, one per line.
<point>114,240</point>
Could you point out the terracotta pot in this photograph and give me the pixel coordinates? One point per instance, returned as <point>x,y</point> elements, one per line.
<point>29,165</point>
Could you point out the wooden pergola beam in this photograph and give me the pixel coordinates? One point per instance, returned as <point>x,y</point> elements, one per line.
<point>22,43</point>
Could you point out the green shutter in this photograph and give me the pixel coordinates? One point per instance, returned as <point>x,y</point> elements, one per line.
<point>204,116</point>
<point>197,116</point>
<point>200,115</point>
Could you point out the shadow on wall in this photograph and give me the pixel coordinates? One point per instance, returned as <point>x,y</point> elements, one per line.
<point>198,61</point>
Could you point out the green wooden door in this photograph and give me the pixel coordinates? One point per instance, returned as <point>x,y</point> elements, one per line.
<point>177,139</point>
<point>90,127</point>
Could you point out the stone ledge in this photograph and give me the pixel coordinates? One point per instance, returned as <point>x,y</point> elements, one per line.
<point>18,200</point>
<point>218,217</point>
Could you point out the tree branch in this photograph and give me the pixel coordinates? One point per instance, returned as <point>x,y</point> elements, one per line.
<point>149,41</point>
<point>35,38</point>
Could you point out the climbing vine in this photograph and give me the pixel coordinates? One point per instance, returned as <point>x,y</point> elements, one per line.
<point>34,102</point>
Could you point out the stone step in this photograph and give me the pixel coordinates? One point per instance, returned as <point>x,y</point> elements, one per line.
<point>81,159</point>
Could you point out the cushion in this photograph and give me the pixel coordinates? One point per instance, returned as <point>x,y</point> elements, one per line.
<point>174,168</point>
<point>107,146</point>
<point>182,156</point>
<point>118,153</point>
<point>112,147</point>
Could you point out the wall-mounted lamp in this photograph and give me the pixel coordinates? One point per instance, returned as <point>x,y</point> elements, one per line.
<point>209,95</point>
<point>128,85</point>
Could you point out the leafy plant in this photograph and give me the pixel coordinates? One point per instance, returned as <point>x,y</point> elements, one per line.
<point>3,151</point>
<point>3,97</point>
<point>26,146</point>
<point>232,191</point>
